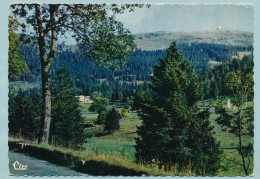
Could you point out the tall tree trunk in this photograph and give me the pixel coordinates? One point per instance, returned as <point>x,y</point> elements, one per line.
<point>45,69</point>
<point>241,141</point>
<point>46,92</point>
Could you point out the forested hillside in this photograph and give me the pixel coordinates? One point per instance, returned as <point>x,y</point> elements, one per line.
<point>88,77</point>
<point>212,79</point>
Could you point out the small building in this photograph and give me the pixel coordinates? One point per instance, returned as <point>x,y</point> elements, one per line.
<point>84,99</point>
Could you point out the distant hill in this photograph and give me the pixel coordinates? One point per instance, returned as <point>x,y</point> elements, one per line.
<point>162,39</point>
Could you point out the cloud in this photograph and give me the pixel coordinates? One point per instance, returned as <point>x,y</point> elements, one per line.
<point>188,18</point>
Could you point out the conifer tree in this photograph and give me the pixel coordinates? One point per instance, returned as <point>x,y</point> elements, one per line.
<point>24,115</point>
<point>67,128</point>
<point>112,121</point>
<point>174,131</point>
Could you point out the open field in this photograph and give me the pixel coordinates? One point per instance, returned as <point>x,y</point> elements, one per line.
<point>121,143</point>
<point>230,155</point>
<point>242,54</point>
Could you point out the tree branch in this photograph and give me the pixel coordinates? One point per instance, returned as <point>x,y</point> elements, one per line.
<point>53,10</point>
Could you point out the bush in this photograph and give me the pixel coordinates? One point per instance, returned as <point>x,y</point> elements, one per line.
<point>101,118</point>
<point>124,112</point>
<point>99,104</point>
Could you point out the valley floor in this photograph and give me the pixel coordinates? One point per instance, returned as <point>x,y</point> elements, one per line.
<point>121,143</point>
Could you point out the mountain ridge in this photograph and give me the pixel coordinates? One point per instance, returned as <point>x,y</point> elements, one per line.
<point>161,39</point>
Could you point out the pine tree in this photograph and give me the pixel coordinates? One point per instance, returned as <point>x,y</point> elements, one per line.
<point>112,121</point>
<point>18,113</point>
<point>24,115</point>
<point>67,128</point>
<point>174,131</point>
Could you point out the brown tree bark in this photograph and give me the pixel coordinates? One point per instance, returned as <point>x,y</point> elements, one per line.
<point>45,68</point>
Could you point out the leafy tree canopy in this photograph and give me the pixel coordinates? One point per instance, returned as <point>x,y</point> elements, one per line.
<point>16,65</point>
<point>93,26</point>
<point>99,104</point>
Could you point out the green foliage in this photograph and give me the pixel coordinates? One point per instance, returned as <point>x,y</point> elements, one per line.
<point>126,107</point>
<point>96,94</point>
<point>174,131</point>
<point>94,27</point>
<point>212,80</point>
<point>101,117</point>
<point>241,85</point>
<point>67,127</point>
<point>138,66</point>
<point>139,99</point>
<point>99,104</point>
<point>112,121</point>
<point>121,84</point>
<point>16,65</point>
<point>92,132</point>
<point>124,112</point>
<point>240,119</point>
<point>24,115</point>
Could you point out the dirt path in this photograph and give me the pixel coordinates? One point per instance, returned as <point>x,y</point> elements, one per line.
<point>37,167</point>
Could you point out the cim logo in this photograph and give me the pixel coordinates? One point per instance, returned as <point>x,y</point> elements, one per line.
<point>18,166</point>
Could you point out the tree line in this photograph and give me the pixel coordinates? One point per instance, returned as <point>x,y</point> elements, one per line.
<point>138,66</point>
<point>123,82</point>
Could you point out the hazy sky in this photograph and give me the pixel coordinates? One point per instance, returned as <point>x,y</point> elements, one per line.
<point>177,18</point>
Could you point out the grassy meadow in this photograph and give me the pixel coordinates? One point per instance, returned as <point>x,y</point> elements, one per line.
<point>121,143</point>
